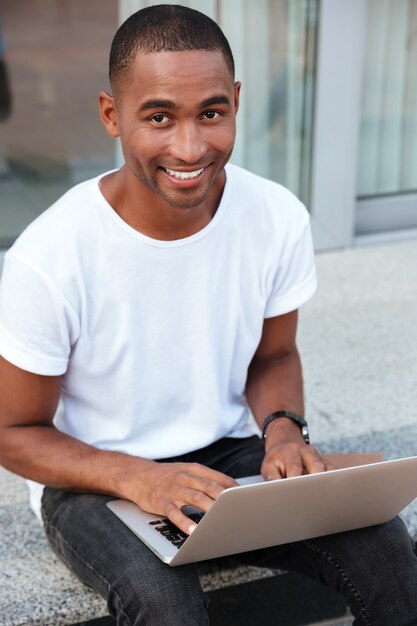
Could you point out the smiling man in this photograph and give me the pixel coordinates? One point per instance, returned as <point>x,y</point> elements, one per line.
<point>159,303</point>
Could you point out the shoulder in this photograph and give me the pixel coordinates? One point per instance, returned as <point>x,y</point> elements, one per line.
<point>58,246</point>
<point>265,202</point>
<point>52,233</point>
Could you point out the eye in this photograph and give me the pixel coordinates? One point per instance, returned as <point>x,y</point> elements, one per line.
<point>211,115</point>
<point>159,118</point>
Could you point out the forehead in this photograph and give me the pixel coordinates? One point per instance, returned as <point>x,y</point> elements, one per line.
<point>174,75</point>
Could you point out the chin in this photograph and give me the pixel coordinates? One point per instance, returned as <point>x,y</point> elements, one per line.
<point>184,202</point>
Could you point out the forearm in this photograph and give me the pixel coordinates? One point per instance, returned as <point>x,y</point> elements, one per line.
<point>32,447</point>
<point>44,454</point>
<point>275,385</point>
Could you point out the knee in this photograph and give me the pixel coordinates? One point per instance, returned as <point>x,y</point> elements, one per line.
<point>390,541</point>
<point>374,569</point>
<point>371,550</point>
<point>175,598</point>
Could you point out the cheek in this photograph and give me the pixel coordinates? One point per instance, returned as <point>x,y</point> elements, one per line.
<point>138,146</point>
<point>148,145</point>
<point>225,136</point>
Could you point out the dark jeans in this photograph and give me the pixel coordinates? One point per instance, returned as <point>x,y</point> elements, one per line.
<point>374,569</point>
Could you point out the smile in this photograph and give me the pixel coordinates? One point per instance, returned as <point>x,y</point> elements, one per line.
<point>184,175</point>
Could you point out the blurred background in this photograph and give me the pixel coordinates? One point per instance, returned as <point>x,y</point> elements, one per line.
<point>329,105</point>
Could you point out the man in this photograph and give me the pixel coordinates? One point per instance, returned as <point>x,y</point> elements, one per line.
<point>159,302</point>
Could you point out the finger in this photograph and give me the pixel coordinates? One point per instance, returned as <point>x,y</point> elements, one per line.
<point>180,477</point>
<point>178,518</point>
<point>288,458</point>
<point>212,475</point>
<point>294,467</point>
<point>313,462</point>
<point>208,486</point>
<point>271,470</point>
<point>198,499</point>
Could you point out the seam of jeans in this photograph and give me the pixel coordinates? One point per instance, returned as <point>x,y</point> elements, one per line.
<point>344,575</point>
<point>86,563</point>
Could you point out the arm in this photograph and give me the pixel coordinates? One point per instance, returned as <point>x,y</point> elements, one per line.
<point>275,383</point>
<point>31,446</point>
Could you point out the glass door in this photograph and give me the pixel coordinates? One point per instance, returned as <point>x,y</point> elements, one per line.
<point>274,43</point>
<point>387,166</point>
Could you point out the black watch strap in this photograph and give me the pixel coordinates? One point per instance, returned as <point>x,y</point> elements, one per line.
<point>292,416</point>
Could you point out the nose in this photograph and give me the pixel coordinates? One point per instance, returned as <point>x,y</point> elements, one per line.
<point>188,144</point>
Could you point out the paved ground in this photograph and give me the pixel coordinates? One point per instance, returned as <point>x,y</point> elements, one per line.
<point>358,339</point>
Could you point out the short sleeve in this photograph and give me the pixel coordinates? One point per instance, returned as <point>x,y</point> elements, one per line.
<point>295,279</point>
<point>37,324</point>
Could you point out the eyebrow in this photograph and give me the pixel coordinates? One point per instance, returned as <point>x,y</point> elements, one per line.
<point>168,104</point>
<point>157,104</point>
<point>215,100</point>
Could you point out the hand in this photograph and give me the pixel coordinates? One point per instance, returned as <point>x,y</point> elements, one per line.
<point>167,487</point>
<point>287,454</point>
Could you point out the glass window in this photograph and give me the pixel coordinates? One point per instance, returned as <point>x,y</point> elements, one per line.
<point>388,142</point>
<point>55,55</point>
<point>274,43</point>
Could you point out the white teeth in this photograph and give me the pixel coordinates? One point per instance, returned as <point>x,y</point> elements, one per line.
<point>184,175</point>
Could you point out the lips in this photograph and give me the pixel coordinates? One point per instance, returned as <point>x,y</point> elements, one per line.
<point>181,175</point>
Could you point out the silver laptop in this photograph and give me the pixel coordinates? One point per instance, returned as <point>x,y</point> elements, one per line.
<point>259,514</point>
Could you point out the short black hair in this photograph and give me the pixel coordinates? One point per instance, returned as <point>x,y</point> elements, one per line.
<point>164,28</point>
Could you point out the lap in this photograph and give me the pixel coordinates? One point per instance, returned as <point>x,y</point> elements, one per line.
<point>108,557</point>
<point>96,544</point>
<point>232,456</point>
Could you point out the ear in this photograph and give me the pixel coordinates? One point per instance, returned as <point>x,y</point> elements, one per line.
<point>108,113</point>
<point>237,95</point>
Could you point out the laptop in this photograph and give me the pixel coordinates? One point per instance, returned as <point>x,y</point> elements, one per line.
<point>258,513</point>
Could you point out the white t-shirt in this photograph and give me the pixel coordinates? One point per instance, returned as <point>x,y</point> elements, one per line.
<point>153,338</point>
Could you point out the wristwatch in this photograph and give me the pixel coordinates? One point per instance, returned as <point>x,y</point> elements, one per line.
<point>292,416</point>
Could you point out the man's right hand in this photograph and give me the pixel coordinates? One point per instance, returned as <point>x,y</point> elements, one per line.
<point>166,487</point>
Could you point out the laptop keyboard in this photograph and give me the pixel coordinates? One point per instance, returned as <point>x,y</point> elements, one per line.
<point>172,533</point>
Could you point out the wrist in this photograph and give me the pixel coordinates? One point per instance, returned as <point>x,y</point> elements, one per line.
<point>281,430</point>
<point>283,424</point>
<point>131,476</point>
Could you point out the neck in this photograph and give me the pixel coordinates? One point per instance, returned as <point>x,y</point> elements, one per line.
<point>141,208</point>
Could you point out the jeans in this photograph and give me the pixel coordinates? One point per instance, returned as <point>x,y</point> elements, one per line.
<point>374,569</point>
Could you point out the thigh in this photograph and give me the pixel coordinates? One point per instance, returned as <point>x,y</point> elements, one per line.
<point>107,556</point>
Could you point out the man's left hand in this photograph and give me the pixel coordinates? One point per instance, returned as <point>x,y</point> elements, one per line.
<point>287,454</point>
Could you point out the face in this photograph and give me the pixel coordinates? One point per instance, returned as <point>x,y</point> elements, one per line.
<point>176,122</point>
